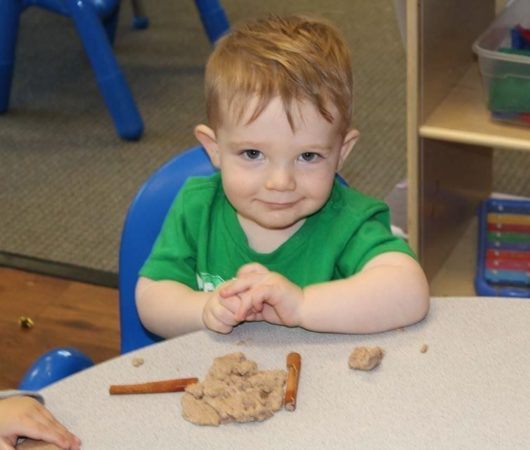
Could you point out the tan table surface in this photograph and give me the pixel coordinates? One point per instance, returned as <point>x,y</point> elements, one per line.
<point>470,390</point>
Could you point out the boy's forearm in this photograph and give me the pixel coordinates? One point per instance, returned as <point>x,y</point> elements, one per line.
<point>378,299</point>
<point>169,308</point>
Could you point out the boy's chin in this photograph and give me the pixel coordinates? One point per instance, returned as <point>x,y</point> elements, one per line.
<point>279,224</point>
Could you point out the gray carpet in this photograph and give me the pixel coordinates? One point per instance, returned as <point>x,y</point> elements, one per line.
<point>67,179</point>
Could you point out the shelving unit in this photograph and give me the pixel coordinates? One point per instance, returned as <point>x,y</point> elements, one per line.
<point>462,117</point>
<point>450,137</point>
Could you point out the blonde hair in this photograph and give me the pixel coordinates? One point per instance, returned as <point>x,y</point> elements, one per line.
<point>296,58</point>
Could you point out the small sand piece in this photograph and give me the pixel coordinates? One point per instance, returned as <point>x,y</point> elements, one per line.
<point>234,391</point>
<point>137,362</point>
<point>366,358</point>
<point>424,348</point>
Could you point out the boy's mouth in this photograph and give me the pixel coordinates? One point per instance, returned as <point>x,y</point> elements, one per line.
<point>279,205</point>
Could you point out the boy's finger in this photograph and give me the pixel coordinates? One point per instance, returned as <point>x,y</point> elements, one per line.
<point>236,287</point>
<point>252,268</point>
<point>245,307</point>
<point>231,303</point>
<point>218,325</point>
<point>211,322</point>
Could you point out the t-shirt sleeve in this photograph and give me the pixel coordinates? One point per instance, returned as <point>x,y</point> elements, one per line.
<point>173,256</point>
<point>373,237</point>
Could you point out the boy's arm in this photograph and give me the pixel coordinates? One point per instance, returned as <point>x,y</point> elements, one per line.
<point>169,308</point>
<point>390,292</point>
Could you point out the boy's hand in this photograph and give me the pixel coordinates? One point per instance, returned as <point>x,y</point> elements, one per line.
<point>265,295</point>
<point>26,417</point>
<point>219,313</point>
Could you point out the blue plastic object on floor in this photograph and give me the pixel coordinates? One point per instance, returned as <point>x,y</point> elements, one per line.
<point>53,366</point>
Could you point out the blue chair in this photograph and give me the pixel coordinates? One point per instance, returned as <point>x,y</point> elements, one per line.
<point>142,225</point>
<point>95,22</point>
<point>213,18</point>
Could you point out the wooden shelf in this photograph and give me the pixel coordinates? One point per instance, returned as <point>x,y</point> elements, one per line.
<point>463,117</point>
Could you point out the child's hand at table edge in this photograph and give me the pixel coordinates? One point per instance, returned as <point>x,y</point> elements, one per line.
<point>265,295</point>
<point>219,313</point>
<point>23,416</point>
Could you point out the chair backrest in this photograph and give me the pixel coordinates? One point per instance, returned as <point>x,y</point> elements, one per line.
<point>142,225</point>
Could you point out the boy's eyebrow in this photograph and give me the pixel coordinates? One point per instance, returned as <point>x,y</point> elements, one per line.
<point>245,144</point>
<point>256,145</point>
<point>311,147</point>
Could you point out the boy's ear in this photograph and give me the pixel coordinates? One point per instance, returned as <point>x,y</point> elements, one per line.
<point>206,136</point>
<point>350,139</point>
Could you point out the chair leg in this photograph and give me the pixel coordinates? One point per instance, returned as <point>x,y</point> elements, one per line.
<point>213,18</point>
<point>9,21</point>
<point>111,82</point>
<point>140,20</point>
<point>111,23</point>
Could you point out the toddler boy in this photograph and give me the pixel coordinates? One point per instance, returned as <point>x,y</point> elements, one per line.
<point>273,236</point>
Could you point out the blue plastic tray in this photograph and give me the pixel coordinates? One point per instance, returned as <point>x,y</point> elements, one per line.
<point>499,283</point>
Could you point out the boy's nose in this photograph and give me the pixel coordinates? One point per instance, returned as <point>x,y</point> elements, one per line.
<point>281,179</point>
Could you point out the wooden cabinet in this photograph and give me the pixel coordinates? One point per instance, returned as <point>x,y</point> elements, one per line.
<point>450,137</point>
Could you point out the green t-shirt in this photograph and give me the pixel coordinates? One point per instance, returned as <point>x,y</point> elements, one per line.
<point>202,244</point>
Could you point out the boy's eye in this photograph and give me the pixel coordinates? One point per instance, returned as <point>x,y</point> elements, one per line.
<point>309,156</point>
<point>252,154</point>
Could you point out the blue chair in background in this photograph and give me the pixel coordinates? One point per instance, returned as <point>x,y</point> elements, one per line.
<point>142,225</point>
<point>95,22</point>
<point>213,18</point>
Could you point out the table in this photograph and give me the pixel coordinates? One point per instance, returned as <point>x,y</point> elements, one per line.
<point>470,390</point>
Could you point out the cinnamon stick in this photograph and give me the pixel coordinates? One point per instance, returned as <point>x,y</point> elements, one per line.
<point>294,365</point>
<point>153,387</point>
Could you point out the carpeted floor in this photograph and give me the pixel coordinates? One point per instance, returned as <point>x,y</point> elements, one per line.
<point>67,179</point>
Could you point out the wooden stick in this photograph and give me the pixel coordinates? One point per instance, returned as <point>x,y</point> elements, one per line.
<point>294,365</point>
<point>153,387</point>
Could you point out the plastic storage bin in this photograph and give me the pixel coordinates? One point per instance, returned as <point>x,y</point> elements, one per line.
<point>504,63</point>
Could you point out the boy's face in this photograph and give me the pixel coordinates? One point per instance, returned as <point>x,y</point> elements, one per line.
<point>272,176</point>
